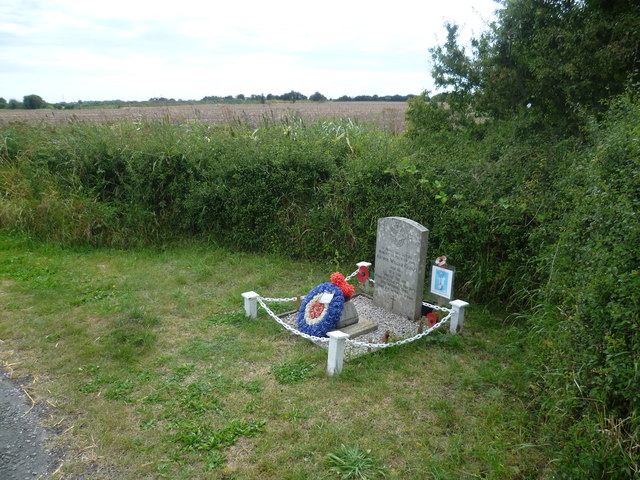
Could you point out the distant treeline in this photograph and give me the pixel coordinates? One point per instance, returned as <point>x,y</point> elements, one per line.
<point>32,102</point>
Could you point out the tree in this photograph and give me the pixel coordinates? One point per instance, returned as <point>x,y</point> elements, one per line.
<point>318,97</point>
<point>13,104</point>
<point>3,103</point>
<point>293,96</point>
<point>32,102</point>
<point>552,59</point>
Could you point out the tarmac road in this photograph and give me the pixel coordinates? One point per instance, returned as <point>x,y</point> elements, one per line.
<point>22,440</point>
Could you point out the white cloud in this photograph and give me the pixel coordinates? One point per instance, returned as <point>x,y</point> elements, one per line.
<point>139,49</point>
<point>14,28</point>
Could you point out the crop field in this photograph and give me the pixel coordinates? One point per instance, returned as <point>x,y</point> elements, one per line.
<point>389,116</point>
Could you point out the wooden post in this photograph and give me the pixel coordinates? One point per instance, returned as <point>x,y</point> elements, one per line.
<point>250,304</point>
<point>298,302</point>
<point>336,352</point>
<point>457,317</point>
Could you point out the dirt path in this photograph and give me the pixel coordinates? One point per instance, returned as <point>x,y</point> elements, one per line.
<point>22,439</point>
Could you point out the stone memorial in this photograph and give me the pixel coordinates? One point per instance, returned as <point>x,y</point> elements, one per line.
<point>401,255</point>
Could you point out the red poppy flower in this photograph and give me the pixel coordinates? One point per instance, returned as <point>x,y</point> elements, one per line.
<point>431,319</point>
<point>348,290</point>
<point>363,274</point>
<point>338,280</point>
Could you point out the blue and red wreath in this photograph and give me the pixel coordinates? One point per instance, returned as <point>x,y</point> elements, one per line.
<point>315,318</point>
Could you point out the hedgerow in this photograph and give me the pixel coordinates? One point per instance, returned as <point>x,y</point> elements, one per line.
<point>586,325</point>
<point>302,190</point>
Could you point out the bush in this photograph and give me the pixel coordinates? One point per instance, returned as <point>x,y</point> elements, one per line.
<point>587,328</point>
<point>313,191</point>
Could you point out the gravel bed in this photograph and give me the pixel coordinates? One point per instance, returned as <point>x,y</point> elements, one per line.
<point>399,326</point>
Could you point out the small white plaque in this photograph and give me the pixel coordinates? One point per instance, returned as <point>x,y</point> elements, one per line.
<point>326,298</point>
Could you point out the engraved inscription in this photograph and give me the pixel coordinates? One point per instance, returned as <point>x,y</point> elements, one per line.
<point>395,271</point>
<point>400,265</point>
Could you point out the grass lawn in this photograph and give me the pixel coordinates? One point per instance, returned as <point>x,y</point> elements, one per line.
<point>149,369</point>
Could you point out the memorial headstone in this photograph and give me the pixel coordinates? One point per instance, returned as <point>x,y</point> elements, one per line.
<point>401,255</point>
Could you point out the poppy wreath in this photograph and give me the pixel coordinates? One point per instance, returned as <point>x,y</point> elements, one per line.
<point>315,318</point>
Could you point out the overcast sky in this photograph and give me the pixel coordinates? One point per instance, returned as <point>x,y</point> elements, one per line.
<point>69,50</point>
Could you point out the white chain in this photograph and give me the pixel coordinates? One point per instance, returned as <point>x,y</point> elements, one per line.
<point>357,343</point>
<point>351,276</point>
<point>436,307</point>
<point>289,327</point>
<point>315,339</point>
<point>292,299</point>
<point>400,342</point>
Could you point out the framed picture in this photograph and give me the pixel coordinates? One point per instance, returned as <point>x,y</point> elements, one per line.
<point>442,281</point>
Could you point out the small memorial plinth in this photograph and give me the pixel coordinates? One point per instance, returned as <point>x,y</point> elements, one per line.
<point>362,327</point>
<point>349,316</point>
<point>352,323</point>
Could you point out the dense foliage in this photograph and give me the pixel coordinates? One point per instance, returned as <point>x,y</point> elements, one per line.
<point>302,190</point>
<point>587,324</point>
<point>551,60</point>
<point>558,79</point>
<point>32,102</point>
<point>547,223</point>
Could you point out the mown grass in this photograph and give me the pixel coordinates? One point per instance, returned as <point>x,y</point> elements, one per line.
<point>151,370</point>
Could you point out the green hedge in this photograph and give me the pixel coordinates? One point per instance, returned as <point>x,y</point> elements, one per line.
<point>311,191</point>
<point>586,329</point>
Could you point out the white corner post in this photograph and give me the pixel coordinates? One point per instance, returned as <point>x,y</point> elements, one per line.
<point>366,285</point>
<point>336,352</point>
<point>250,304</point>
<point>457,316</point>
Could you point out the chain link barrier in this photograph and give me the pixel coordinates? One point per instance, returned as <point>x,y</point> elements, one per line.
<point>437,307</point>
<point>351,276</point>
<point>284,300</point>
<point>400,342</point>
<point>295,299</point>
<point>356,343</point>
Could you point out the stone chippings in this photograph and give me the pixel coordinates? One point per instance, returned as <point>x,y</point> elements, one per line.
<point>399,326</point>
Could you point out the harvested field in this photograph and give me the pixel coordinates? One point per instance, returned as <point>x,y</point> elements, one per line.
<point>389,116</point>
